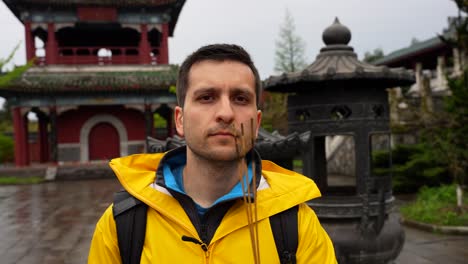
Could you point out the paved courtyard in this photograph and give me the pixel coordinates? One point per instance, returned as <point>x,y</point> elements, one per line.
<point>53,223</point>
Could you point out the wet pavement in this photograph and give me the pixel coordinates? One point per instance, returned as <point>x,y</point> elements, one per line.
<point>422,247</point>
<point>54,222</point>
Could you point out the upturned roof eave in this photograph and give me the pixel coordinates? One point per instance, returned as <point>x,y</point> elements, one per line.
<point>417,48</point>
<point>70,80</point>
<point>175,12</point>
<point>379,80</point>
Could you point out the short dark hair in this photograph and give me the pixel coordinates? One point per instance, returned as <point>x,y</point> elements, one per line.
<point>216,52</point>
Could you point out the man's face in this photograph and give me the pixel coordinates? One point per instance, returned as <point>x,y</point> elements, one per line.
<point>220,96</point>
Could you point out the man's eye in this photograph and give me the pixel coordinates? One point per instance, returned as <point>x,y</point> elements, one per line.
<point>241,99</point>
<point>206,98</point>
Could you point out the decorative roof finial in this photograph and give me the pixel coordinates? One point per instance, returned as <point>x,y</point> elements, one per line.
<point>336,34</point>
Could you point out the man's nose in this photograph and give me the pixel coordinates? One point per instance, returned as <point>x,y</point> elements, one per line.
<point>225,112</point>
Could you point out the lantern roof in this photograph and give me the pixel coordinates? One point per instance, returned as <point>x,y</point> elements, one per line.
<point>337,64</point>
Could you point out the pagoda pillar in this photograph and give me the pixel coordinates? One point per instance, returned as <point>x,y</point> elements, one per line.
<point>21,138</point>
<point>164,47</point>
<point>144,48</point>
<point>51,45</point>
<point>43,140</point>
<point>53,135</point>
<point>149,124</point>
<point>30,45</point>
<point>170,124</point>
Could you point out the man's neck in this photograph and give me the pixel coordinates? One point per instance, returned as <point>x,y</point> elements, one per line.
<point>205,181</point>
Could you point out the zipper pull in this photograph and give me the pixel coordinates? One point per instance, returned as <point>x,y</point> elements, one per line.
<point>196,241</point>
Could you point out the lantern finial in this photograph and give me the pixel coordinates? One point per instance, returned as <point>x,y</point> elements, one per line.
<point>336,34</point>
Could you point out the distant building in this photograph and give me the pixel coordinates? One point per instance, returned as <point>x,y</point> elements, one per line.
<point>100,76</point>
<point>432,60</point>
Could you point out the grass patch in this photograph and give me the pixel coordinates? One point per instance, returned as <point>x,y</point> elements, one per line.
<point>437,205</point>
<point>11,180</point>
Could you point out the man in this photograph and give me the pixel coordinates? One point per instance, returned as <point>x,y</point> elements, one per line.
<point>196,211</point>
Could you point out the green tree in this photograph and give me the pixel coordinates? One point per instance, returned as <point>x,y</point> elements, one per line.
<point>289,57</point>
<point>5,116</point>
<point>4,62</point>
<point>447,134</point>
<point>371,57</point>
<point>6,77</point>
<point>290,48</point>
<point>459,27</point>
<point>414,41</point>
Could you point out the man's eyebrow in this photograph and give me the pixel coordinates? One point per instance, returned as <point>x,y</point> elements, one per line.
<point>204,90</point>
<point>241,90</point>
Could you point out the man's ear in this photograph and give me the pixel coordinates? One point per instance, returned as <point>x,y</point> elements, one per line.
<point>179,120</point>
<point>259,121</point>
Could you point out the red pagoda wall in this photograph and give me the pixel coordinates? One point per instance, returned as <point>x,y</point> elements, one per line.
<point>82,136</point>
<point>97,13</point>
<point>69,123</point>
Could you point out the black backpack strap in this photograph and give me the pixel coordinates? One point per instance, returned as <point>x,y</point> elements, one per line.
<point>285,231</point>
<point>130,219</point>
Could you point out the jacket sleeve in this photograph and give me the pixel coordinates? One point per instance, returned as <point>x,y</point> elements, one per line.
<point>315,245</point>
<point>104,246</point>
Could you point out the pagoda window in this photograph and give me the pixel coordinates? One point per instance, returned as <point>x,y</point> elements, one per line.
<point>154,37</point>
<point>116,51</point>
<point>40,36</point>
<point>39,43</point>
<point>104,53</point>
<point>155,52</point>
<point>66,52</point>
<point>131,52</point>
<point>83,52</point>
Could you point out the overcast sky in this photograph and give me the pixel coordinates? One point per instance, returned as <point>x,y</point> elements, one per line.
<point>254,24</point>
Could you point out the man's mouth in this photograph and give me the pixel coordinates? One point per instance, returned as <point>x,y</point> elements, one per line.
<point>228,131</point>
<point>222,133</point>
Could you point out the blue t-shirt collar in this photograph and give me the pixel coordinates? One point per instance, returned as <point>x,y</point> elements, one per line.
<point>173,177</point>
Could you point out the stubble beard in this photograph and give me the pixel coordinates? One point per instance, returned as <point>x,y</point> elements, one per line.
<point>223,150</point>
<point>213,155</point>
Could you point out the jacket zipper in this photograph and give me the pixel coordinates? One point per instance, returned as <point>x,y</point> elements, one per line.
<point>196,241</point>
<point>203,246</point>
<point>207,256</point>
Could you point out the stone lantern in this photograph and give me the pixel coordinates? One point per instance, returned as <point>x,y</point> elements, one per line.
<point>338,96</point>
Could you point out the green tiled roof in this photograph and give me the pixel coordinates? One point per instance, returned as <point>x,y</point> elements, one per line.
<point>174,7</point>
<point>116,3</point>
<point>37,81</point>
<point>405,52</point>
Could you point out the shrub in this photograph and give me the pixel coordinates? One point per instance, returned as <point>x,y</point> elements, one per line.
<point>6,149</point>
<point>412,167</point>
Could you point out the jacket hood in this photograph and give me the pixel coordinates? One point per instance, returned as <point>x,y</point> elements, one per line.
<point>280,190</point>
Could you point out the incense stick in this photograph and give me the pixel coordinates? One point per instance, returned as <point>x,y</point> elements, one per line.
<point>254,179</point>
<point>253,229</point>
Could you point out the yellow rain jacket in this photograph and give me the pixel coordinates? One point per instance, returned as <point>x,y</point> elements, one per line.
<point>167,221</point>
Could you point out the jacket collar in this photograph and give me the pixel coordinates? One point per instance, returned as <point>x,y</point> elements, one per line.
<point>178,156</point>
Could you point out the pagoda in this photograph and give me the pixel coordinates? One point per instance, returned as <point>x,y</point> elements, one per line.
<point>101,75</point>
